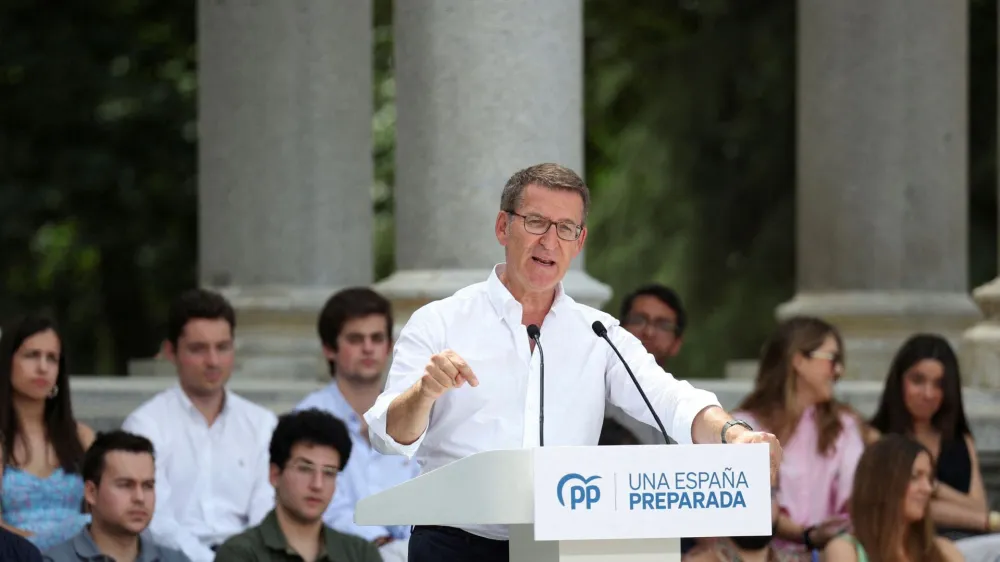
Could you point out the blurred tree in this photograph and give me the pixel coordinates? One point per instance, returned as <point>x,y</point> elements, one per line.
<point>97,174</point>
<point>691,121</point>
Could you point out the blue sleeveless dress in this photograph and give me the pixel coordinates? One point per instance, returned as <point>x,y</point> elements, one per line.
<point>48,507</point>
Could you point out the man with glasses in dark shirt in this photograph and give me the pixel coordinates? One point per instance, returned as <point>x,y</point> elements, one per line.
<point>308,449</point>
<point>654,314</point>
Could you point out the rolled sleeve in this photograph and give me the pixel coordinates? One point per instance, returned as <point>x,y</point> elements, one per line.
<point>676,402</point>
<point>418,340</point>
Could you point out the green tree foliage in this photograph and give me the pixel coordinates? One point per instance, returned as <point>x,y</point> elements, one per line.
<point>690,152</point>
<point>98,169</point>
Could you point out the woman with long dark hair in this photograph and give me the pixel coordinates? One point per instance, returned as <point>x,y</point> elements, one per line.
<point>821,438</point>
<point>42,445</point>
<point>892,490</point>
<point>922,398</point>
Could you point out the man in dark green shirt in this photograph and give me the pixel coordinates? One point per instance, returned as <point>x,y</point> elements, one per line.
<point>308,449</point>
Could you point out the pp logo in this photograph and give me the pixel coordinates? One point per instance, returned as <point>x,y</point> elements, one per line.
<point>582,493</point>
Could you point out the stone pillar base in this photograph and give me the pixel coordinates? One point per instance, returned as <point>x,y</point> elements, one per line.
<point>874,324</point>
<point>276,331</point>
<point>981,343</point>
<point>411,289</point>
<point>276,334</point>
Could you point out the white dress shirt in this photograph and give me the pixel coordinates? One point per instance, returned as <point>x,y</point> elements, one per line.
<point>211,481</point>
<point>482,323</point>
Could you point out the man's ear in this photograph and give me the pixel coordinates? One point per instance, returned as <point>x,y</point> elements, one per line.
<point>89,493</point>
<point>501,227</point>
<point>168,351</point>
<point>273,474</point>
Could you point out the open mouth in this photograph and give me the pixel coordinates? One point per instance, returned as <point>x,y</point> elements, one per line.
<point>544,262</point>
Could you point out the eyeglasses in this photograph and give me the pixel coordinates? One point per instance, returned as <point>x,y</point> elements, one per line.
<point>308,470</point>
<point>539,225</point>
<point>640,321</point>
<point>836,359</point>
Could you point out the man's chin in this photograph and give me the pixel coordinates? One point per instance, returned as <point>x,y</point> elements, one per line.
<point>363,377</point>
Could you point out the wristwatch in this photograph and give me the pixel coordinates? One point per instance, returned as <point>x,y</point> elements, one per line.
<point>731,423</point>
<point>805,538</point>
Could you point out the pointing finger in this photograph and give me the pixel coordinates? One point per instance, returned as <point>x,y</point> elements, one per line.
<point>464,371</point>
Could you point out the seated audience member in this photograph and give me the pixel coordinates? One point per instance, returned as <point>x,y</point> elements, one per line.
<point>308,449</point>
<point>741,549</point>
<point>889,500</point>
<point>211,444</point>
<point>355,329</point>
<point>656,316</point>
<point>821,439</point>
<point>43,445</point>
<point>118,473</point>
<point>614,433</point>
<point>922,398</point>
<point>15,547</point>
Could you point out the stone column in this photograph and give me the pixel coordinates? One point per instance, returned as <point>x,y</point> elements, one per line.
<point>981,343</point>
<point>882,187</point>
<point>285,210</point>
<point>483,89</point>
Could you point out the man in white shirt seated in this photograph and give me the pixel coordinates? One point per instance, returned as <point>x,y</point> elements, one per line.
<point>469,357</point>
<point>211,445</point>
<point>355,328</point>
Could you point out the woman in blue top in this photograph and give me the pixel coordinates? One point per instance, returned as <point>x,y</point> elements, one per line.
<point>41,444</point>
<point>892,489</point>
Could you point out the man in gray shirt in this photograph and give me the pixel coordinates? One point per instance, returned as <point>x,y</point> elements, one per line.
<point>119,486</point>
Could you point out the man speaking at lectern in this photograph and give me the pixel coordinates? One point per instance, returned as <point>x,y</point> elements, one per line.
<point>466,377</point>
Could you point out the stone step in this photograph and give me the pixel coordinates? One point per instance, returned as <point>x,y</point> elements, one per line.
<point>105,401</point>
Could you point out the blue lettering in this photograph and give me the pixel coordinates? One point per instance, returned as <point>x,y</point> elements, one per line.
<point>686,500</point>
<point>741,481</point>
<point>632,483</point>
<point>713,499</point>
<point>583,494</point>
<point>634,499</point>
<point>727,478</point>
<point>664,482</point>
<point>738,501</point>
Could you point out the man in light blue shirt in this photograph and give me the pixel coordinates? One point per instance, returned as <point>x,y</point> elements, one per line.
<point>355,328</point>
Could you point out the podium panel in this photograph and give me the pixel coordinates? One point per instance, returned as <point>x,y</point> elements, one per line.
<point>652,491</point>
<point>591,504</point>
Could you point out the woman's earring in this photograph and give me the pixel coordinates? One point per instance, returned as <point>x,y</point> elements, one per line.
<point>54,392</point>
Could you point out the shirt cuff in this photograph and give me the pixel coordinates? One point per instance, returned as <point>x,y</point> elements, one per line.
<point>695,400</point>
<point>380,439</point>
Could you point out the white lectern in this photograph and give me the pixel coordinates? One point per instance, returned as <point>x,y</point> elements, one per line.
<point>593,504</point>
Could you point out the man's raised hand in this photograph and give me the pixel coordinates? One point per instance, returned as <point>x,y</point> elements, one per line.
<point>445,371</point>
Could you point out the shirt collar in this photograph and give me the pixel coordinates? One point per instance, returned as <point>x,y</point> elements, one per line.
<point>192,409</point>
<point>504,302</point>
<point>274,538</point>
<point>86,548</point>
<point>340,407</point>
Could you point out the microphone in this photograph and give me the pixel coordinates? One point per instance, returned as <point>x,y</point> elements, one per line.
<point>536,334</point>
<point>602,332</point>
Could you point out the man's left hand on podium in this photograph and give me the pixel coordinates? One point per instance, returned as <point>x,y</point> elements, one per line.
<point>773,445</point>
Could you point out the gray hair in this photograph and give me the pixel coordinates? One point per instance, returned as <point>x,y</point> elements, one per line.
<point>551,176</point>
